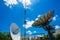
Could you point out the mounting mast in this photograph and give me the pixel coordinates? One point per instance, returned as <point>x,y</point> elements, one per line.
<point>25,19</point>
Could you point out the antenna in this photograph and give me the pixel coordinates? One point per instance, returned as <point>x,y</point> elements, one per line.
<point>25,18</point>
<point>15,32</point>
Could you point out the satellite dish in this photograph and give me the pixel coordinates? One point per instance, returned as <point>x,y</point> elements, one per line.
<point>44,20</point>
<point>15,32</point>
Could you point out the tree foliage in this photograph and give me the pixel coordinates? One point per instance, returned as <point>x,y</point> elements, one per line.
<point>5,36</point>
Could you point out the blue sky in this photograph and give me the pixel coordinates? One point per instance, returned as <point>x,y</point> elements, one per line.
<point>16,14</point>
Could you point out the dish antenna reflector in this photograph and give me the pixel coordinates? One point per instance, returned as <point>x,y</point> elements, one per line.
<point>15,32</point>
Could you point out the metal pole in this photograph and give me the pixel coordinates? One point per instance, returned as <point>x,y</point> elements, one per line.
<point>25,19</point>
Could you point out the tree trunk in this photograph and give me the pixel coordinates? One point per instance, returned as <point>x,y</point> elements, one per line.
<point>50,35</point>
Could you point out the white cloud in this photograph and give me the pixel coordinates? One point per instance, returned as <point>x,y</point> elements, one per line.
<point>37,17</point>
<point>55,17</point>
<point>28,24</point>
<point>57,27</point>
<point>29,32</point>
<point>27,20</point>
<point>26,3</point>
<point>40,35</point>
<point>34,32</point>
<point>10,3</point>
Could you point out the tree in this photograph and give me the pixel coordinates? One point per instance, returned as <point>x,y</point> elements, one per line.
<point>57,36</point>
<point>2,36</point>
<point>44,22</point>
<point>8,36</point>
<point>5,36</point>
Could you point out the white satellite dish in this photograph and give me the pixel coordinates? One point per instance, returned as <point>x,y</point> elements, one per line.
<point>15,32</point>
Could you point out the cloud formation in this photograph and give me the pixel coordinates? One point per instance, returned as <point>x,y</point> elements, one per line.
<point>25,3</point>
<point>29,32</point>
<point>57,27</point>
<point>37,17</point>
<point>34,31</point>
<point>30,22</point>
<point>10,3</point>
<point>55,17</point>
